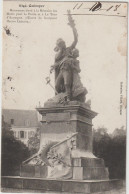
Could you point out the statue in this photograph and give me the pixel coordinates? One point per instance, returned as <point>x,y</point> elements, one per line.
<point>67,69</point>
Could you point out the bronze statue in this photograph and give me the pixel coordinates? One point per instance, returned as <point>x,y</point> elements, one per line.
<point>67,68</point>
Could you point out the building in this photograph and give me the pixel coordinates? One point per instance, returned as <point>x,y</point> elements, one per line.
<point>24,123</point>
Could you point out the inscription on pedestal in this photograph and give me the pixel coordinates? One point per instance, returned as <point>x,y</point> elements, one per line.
<point>57,117</point>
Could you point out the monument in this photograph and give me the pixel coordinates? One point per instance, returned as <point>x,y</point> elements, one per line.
<point>66,136</point>
<point>65,161</point>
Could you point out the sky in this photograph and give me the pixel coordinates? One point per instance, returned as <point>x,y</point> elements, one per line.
<point>102,41</point>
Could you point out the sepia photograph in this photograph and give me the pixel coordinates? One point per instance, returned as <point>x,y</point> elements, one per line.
<point>64,97</point>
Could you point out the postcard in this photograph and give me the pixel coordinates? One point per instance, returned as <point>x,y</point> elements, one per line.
<point>64,96</point>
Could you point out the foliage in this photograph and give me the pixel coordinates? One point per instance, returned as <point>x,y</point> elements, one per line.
<point>14,152</point>
<point>112,148</point>
<point>34,142</point>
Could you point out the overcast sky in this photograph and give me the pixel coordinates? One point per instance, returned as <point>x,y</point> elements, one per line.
<point>102,46</point>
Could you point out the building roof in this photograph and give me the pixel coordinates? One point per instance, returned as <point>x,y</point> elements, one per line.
<point>21,118</point>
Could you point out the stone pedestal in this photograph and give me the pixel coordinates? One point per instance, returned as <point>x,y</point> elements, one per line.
<point>70,127</point>
<point>89,169</point>
<point>60,122</point>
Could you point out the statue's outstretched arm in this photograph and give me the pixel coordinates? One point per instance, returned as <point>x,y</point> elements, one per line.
<point>72,24</point>
<point>75,38</point>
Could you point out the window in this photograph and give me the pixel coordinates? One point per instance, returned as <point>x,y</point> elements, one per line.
<point>12,121</point>
<point>22,135</point>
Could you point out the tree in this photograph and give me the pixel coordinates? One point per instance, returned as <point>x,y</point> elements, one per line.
<point>34,142</point>
<point>113,150</point>
<point>14,152</point>
<point>119,132</point>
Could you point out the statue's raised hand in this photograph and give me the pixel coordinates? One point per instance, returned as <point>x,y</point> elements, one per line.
<point>52,68</point>
<point>70,19</point>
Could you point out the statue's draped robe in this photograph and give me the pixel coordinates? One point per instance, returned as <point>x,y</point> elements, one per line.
<point>71,64</point>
